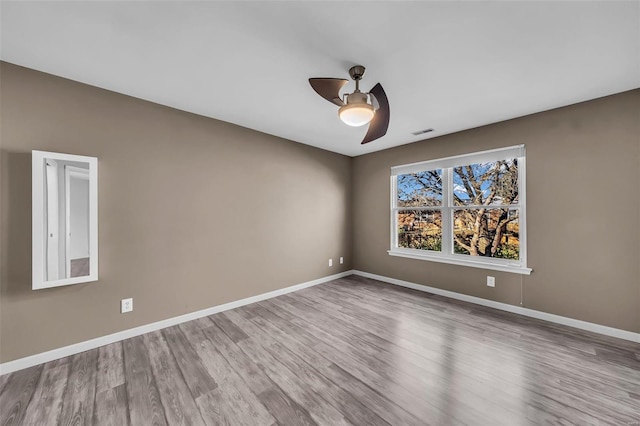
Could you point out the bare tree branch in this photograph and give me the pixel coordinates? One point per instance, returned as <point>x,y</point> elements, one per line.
<point>462,244</point>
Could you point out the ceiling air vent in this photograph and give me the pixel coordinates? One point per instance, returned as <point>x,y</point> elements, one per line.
<point>422,132</point>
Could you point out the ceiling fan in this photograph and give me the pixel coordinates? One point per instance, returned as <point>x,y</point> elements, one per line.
<point>357,108</point>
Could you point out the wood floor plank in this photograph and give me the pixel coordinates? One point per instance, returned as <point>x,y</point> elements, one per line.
<point>561,394</point>
<point>179,405</point>
<point>16,395</point>
<point>216,410</point>
<point>193,331</point>
<point>46,405</point>
<point>251,373</point>
<point>466,394</point>
<point>320,410</point>
<point>470,387</point>
<point>351,351</point>
<point>3,381</point>
<point>301,343</point>
<point>261,384</point>
<point>298,349</point>
<point>298,338</point>
<point>196,376</point>
<point>409,394</point>
<point>80,392</point>
<point>234,332</point>
<point>241,402</point>
<point>374,400</point>
<point>145,405</point>
<point>112,407</point>
<point>549,411</point>
<point>110,367</point>
<point>487,380</point>
<point>565,340</point>
<point>353,410</point>
<point>287,411</point>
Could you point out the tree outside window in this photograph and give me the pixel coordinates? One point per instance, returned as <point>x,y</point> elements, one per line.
<point>468,206</point>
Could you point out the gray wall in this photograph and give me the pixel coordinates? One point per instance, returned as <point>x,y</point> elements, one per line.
<point>583,212</point>
<point>193,212</point>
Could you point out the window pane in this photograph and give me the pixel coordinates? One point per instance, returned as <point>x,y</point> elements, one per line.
<point>489,233</point>
<point>422,189</point>
<point>494,184</point>
<point>420,229</point>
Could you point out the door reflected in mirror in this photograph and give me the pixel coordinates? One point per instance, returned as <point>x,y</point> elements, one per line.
<point>64,219</point>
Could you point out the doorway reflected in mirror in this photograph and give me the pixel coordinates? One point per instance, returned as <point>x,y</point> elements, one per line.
<point>64,219</point>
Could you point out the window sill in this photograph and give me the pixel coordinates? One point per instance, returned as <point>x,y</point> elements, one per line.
<point>516,269</point>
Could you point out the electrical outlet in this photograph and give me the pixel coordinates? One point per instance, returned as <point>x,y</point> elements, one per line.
<point>330,262</point>
<point>341,260</point>
<point>491,281</point>
<point>126,305</point>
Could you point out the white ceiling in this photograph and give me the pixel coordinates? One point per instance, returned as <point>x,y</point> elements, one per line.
<point>446,65</point>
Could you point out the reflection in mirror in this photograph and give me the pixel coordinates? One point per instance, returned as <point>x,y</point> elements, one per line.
<point>64,219</point>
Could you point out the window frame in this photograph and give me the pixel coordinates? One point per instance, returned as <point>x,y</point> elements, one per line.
<point>447,207</point>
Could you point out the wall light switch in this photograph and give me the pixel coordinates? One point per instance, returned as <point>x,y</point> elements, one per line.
<point>341,260</point>
<point>330,262</point>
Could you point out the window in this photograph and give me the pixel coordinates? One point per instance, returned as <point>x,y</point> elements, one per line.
<point>466,210</point>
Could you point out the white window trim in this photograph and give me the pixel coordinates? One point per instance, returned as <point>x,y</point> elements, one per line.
<point>447,255</point>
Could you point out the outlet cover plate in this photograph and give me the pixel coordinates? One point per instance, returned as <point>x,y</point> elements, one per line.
<point>491,281</point>
<point>126,305</point>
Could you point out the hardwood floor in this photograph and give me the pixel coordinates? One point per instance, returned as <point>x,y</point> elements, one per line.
<point>353,351</point>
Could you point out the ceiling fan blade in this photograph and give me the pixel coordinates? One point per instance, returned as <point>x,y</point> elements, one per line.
<point>329,88</point>
<point>380,122</point>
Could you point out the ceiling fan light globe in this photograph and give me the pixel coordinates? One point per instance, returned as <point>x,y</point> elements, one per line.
<point>356,115</point>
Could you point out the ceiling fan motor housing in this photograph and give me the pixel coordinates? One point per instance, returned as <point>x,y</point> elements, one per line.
<point>357,98</point>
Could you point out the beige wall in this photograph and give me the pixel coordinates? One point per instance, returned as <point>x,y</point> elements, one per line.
<point>583,212</point>
<point>193,212</point>
<point>196,212</point>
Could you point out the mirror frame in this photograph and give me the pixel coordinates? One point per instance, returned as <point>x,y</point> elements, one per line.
<point>38,219</point>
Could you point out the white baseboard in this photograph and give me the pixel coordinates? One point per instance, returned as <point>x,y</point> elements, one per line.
<point>583,325</point>
<point>30,361</point>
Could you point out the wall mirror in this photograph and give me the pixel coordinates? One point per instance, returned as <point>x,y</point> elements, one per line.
<point>65,219</point>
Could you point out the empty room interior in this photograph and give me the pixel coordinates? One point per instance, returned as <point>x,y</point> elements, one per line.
<point>320,213</point>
